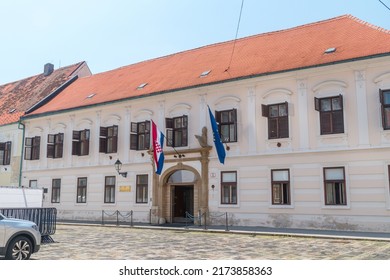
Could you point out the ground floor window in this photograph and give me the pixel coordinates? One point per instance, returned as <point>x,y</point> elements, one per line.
<point>229,187</point>
<point>142,189</point>
<point>56,191</point>
<point>81,190</point>
<point>334,184</point>
<point>33,184</point>
<point>280,186</point>
<point>109,189</point>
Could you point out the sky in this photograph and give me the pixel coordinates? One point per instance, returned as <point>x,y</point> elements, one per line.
<point>111,34</point>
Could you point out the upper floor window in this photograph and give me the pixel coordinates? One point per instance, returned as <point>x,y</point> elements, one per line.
<point>80,142</point>
<point>177,131</point>
<point>277,115</point>
<point>32,148</point>
<point>280,186</point>
<point>140,136</point>
<point>385,102</point>
<point>55,146</point>
<point>228,187</point>
<point>5,153</point>
<point>108,141</point>
<point>334,183</point>
<point>331,114</point>
<point>227,125</point>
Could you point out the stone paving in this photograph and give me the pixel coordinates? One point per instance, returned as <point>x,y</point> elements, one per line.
<point>93,242</point>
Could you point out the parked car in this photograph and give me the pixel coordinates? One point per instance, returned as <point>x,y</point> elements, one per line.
<point>18,238</point>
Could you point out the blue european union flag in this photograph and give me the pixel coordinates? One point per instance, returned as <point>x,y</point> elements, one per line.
<point>217,139</point>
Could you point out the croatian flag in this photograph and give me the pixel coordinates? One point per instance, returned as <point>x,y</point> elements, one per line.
<point>158,143</point>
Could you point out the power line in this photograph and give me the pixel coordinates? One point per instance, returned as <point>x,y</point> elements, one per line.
<point>384,4</point>
<point>235,39</point>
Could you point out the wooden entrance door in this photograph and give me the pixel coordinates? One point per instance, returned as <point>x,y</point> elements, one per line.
<point>183,201</point>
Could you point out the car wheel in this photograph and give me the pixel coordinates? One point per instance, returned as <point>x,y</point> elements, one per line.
<point>20,248</point>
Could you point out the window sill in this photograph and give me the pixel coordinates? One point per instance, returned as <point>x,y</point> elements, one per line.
<point>336,207</point>
<point>281,206</point>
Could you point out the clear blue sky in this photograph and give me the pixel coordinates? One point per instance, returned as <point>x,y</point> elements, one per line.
<point>111,34</point>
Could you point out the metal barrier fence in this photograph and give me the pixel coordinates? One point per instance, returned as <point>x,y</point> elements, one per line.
<point>45,218</point>
<point>204,219</point>
<point>117,216</point>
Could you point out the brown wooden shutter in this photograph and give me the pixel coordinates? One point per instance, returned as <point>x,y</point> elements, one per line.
<point>317,103</point>
<point>134,127</point>
<point>272,128</point>
<point>264,110</point>
<point>338,121</point>
<point>326,122</point>
<point>36,147</point>
<point>283,127</point>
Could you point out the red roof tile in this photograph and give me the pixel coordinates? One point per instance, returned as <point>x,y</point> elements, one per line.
<point>17,97</point>
<point>267,53</point>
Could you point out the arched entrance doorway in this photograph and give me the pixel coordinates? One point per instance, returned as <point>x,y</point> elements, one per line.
<point>181,185</point>
<point>181,193</point>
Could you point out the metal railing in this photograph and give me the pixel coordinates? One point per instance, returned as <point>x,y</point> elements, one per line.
<point>119,217</point>
<point>45,218</point>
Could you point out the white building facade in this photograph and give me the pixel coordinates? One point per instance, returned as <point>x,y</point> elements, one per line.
<point>307,147</point>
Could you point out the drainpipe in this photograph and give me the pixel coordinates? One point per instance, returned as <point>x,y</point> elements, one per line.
<point>23,127</point>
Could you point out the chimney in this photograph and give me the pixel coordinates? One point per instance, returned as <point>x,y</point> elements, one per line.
<point>48,69</point>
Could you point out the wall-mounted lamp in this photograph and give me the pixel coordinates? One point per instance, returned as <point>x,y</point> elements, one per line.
<point>118,167</point>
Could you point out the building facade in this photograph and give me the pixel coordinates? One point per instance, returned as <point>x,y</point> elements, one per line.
<point>307,140</point>
<point>15,99</point>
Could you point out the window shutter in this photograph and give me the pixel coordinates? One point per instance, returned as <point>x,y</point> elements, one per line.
<point>147,127</point>
<point>184,138</point>
<point>338,121</point>
<point>317,104</point>
<point>283,127</point>
<point>264,110</point>
<point>103,131</point>
<point>102,145</point>
<point>341,101</point>
<point>76,135</point>
<point>134,127</point>
<point>286,104</point>
<point>50,151</point>
<point>7,153</point>
<point>36,147</point>
<point>27,153</point>
<point>115,143</point>
<point>169,138</point>
<point>168,123</point>
<point>75,148</point>
<point>28,142</point>
<point>147,139</point>
<point>325,120</point>
<point>50,138</point>
<point>272,128</point>
<point>133,142</point>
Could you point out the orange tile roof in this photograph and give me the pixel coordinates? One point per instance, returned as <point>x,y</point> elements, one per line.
<point>17,97</point>
<point>267,53</point>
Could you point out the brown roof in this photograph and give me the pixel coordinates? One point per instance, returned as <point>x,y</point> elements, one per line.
<point>17,97</point>
<point>295,48</point>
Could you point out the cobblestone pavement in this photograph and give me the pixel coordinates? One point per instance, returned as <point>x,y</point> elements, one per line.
<point>89,242</point>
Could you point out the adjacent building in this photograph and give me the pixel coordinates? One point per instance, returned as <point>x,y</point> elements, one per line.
<point>303,114</point>
<point>16,98</point>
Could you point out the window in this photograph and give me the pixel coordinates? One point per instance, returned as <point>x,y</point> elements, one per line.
<point>229,187</point>
<point>277,115</point>
<point>334,182</point>
<point>280,186</point>
<point>108,142</point>
<point>55,145</point>
<point>5,153</point>
<point>140,136</point>
<point>109,189</point>
<point>80,142</point>
<point>177,131</point>
<point>331,114</point>
<point>227,125</point>
<point>142,189</point>
<point>32,148</point>
<point>56,191</point>
<point>81,190</point>
<point>385,104</point>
